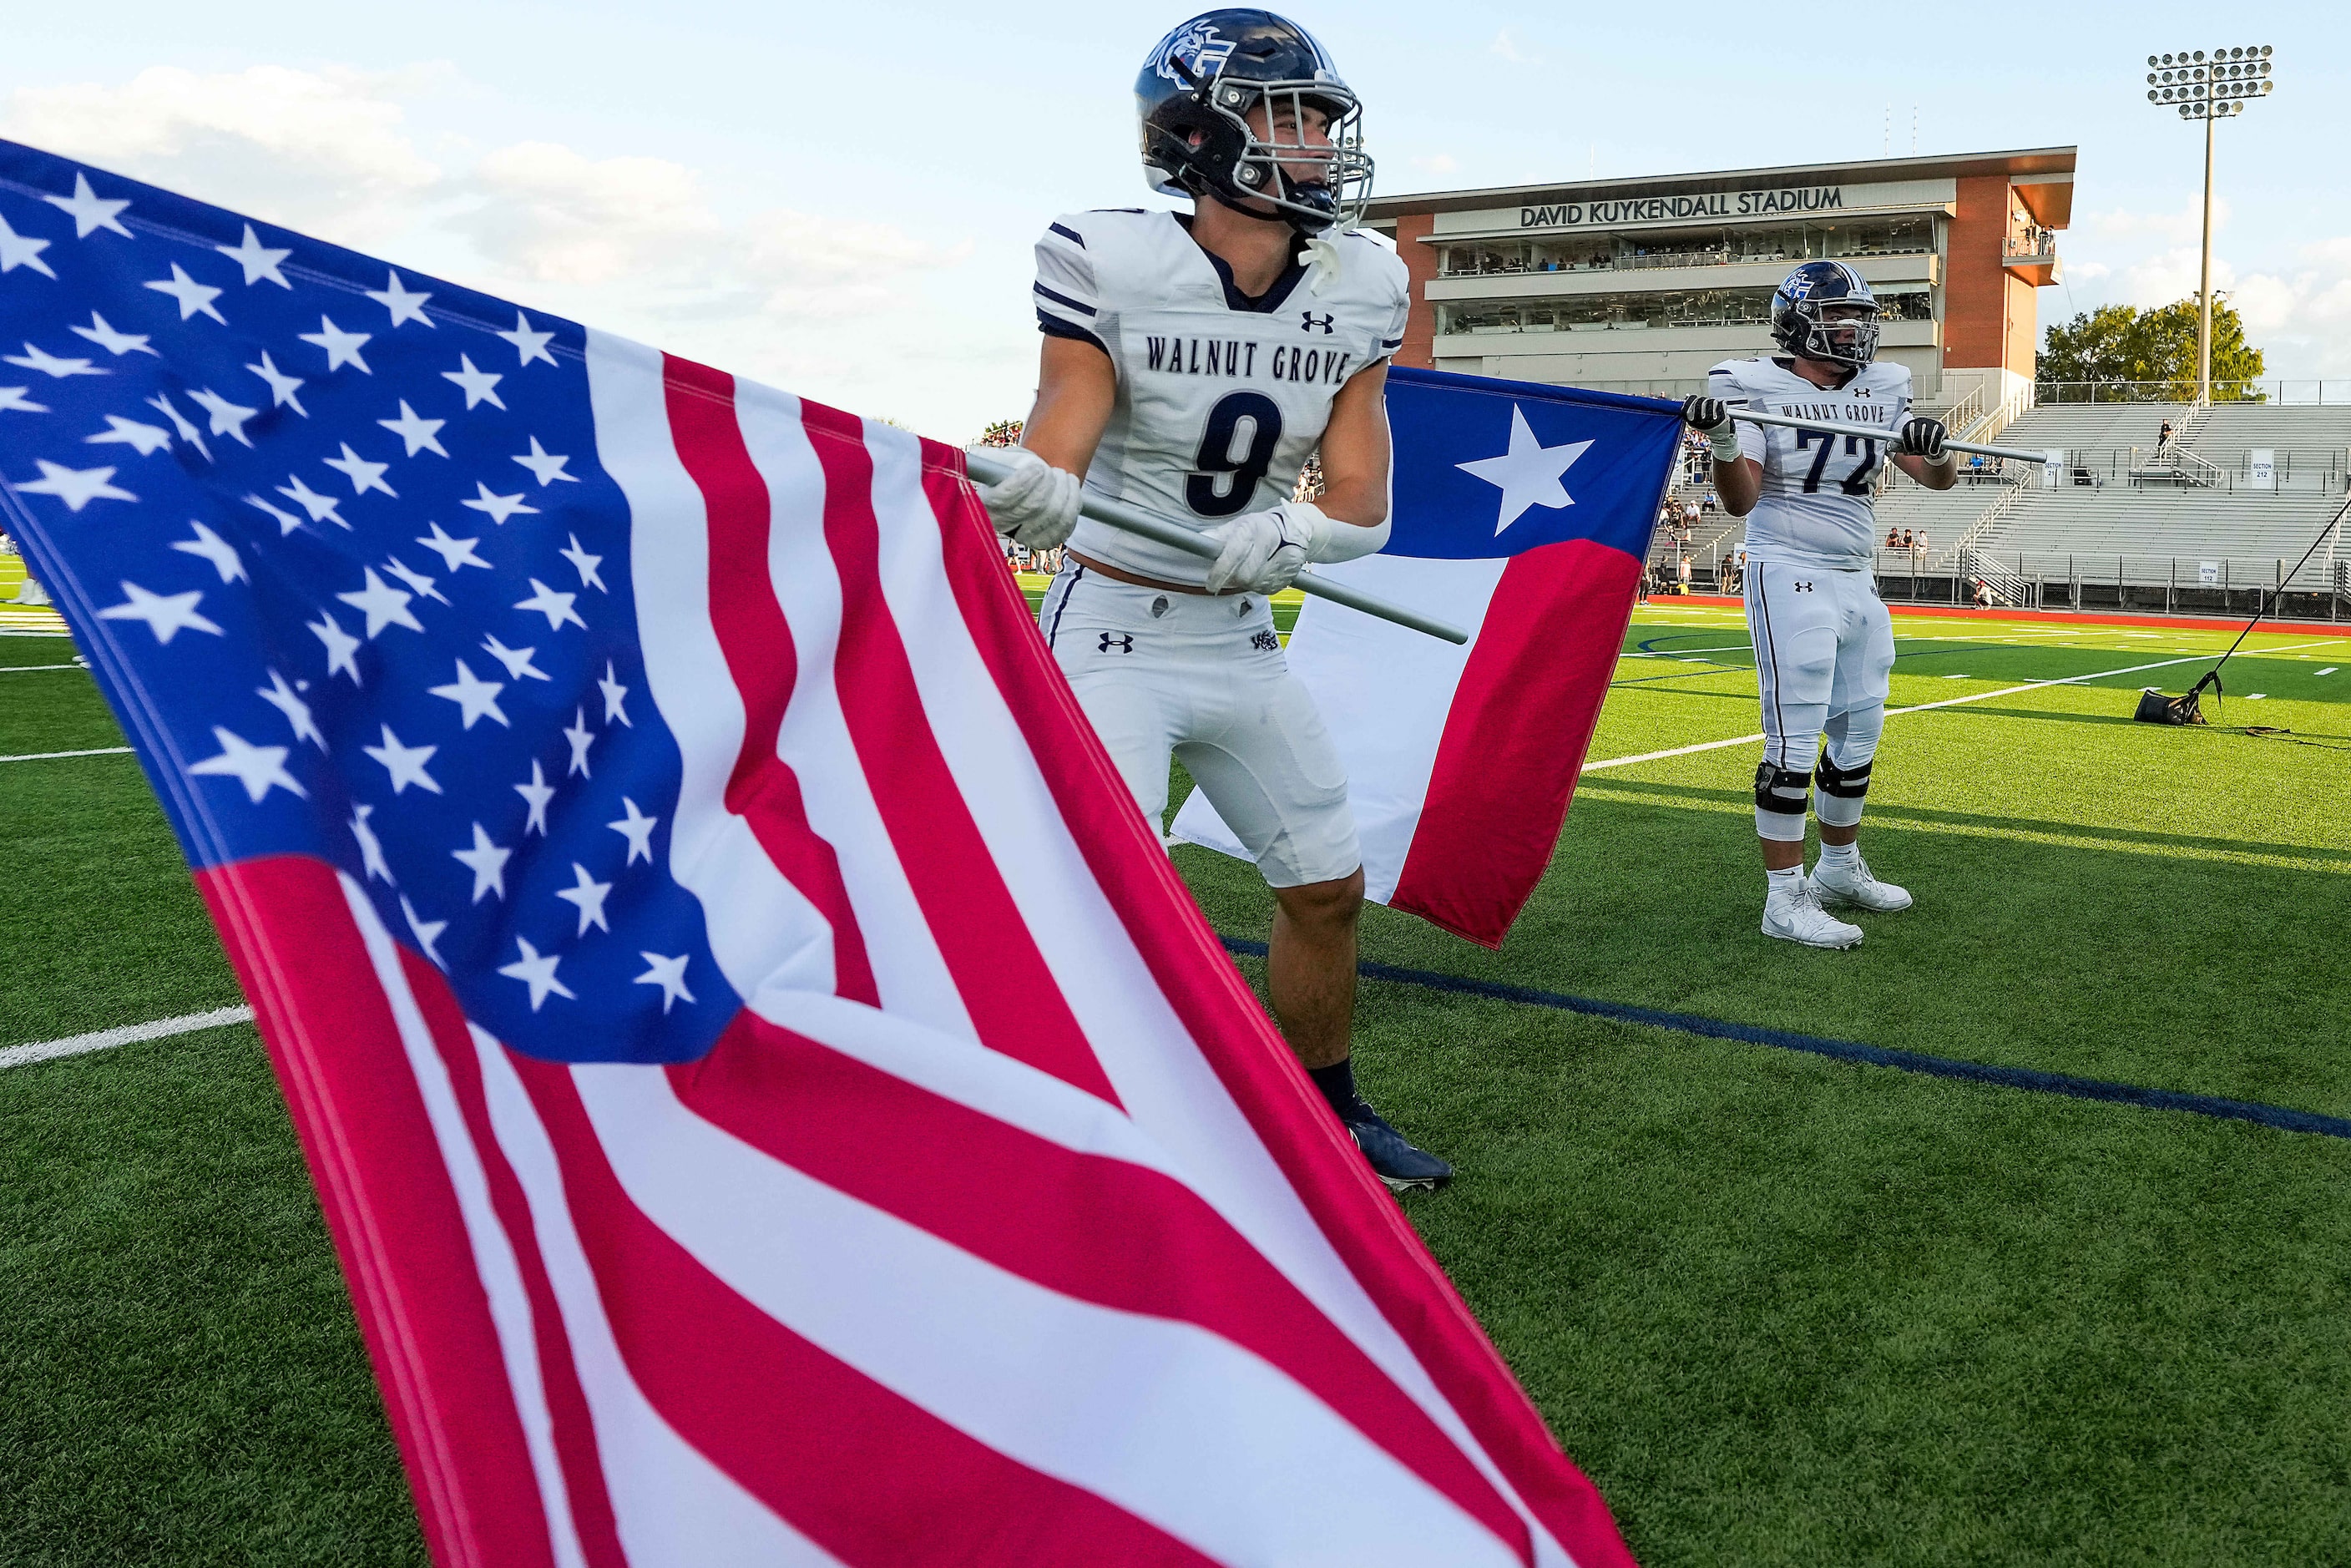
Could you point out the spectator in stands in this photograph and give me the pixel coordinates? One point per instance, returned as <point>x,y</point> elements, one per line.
<point>1907,542</point>
<point>2163,437</point>
<point>1982,594</point>
<point>1706,503</point>
<point>1920,542</point>
<point>1893,539</point>
<point>1683,574</point>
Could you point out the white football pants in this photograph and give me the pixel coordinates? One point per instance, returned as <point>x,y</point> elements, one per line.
<point>1204,678</point>
<point>1823,652</point>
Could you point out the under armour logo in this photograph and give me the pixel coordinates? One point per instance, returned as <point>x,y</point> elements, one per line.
<point>1804,587</point>
<point>1310,323</point>
<point>1124,640</point>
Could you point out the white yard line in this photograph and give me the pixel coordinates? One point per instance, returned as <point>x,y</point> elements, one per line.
<point>1947,702</point>
<point>19,669</point>
<point>53,756</point>
<point>108,1038</point>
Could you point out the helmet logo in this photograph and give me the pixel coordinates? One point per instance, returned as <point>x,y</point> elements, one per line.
<point>1196,44</point>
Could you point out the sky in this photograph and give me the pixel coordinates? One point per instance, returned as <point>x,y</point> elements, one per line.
<point>840,199</point>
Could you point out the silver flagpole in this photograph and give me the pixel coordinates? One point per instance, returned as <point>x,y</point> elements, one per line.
<point>992,470</point>
<point>1879,433</point>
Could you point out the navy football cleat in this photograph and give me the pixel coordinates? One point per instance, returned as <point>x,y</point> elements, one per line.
<point>1397,1163</point>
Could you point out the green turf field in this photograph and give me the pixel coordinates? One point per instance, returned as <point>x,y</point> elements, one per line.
<point>1784,1309</point>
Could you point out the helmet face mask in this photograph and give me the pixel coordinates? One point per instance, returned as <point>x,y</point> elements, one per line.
<point>1195,97</point>
<point>1803,322</point>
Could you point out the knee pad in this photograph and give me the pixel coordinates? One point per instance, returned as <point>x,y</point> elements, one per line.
<point>1841,789</point>
<point>1780,802</point>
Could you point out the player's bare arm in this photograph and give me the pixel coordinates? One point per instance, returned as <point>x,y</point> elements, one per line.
<point>1355,452</point>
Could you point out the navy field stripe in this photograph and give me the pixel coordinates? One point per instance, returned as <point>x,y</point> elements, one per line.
<point>2277,1116</point>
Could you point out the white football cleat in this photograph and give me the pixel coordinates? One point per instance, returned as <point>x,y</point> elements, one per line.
<point>1797,917</point>
<point>1856,885</point>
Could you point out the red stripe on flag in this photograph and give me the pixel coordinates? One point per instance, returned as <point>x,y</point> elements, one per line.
<point>1101,1229</point>
<point>757,643</point>
<point>1515,737</point>
<point>877,1480</point>
<point>573,1424</point>
<point>389,1204</point>
<point>1011,994</point>
<point>1363,1223</point>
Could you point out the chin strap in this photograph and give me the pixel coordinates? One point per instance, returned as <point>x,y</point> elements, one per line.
<point>1324,263</point>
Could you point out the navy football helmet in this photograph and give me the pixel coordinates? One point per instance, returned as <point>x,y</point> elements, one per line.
<point>1194,96</point>
<point>1800,321</point>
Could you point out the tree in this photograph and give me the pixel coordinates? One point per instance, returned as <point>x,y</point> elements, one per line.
<point>1003,433</point>
<point>2120,343</point>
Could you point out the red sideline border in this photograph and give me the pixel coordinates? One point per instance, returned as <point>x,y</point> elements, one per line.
<point>2072,617</point>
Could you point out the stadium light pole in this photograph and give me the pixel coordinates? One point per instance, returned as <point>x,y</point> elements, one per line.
<point>2210,88</point>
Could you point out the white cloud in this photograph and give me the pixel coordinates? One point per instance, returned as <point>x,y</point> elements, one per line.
<point>1510,49</point>
<point>633,244</point>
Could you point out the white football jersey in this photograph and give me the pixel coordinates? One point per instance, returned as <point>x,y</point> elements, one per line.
<point>1815,509</point>
<point>1221,398</point>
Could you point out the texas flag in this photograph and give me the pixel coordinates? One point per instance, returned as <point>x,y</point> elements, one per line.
<point>1522,514</point>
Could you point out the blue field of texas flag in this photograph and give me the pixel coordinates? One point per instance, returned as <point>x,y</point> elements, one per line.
<point>1522,514</point>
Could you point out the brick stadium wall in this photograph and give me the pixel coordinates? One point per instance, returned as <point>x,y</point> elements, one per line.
<point>1990,317</point>
<point>1420,260</point>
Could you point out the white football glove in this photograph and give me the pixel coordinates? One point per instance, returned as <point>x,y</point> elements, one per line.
<point>1037,505</point>
<point>1263,553</point>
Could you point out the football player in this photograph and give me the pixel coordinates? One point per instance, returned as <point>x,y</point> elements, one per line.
<point>1823,640</point>
<point>1192,362</point>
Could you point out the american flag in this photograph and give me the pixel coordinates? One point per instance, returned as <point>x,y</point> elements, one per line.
<point>771,1097</point>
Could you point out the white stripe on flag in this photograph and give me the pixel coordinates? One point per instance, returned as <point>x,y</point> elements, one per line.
<point>494,1257</point>
<point>908,968</point>
<point>762,930</point>
<point>1235,1458</point>
<point>669,1504</point>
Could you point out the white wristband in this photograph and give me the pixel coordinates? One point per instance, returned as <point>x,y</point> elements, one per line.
<point>1726,445</point>
<point>1332,540</point>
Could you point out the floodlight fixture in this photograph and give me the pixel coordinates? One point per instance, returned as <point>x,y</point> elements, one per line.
<point>2210,88</point>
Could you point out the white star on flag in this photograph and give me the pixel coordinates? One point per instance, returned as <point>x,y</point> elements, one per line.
<point>403,304</point>
<point>582,737</point>
<point>418,583</point>
<point>370,847</point>
<point>382,605</point>
<point>616,695</point>
<point>51,365</point>
<point>535,795</point>
<point>585,565</point>
<point>166,615</point>
<point>454,553</point>
<point>417,432</point>
<point>363,475</point>
<point>516,660</point>
<point>555,607</point>
<point>532,345</point>
<point>280,696</point>
<point>259,769</point>
<point>1528,475</point>
<point>498,508</point>
<point>112,342</point>
<point>13,400</point>
<point>281,385</point>
<point>213,548</point>
<point>22,250</point>
<point>669,974</point>
<point>228,418</point>
<point>587,895</point>
<point>638,829</point>
<point>144,439</point>
<point>476,697</point>
<point>77,487</point>
<point>257,260</point>
<point>545,465</point>
<point>287,522</point>
<point>537,972</point>
<point>320,507</point>
<point>426,932</point>
<point>404,763</point>
<point>343,649</point>
<point>487,862</point>
<point>161,403</point>
<point>342,347</point>
<point>90,213</point>
<point>194,296</point>
<point>479,385</point>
